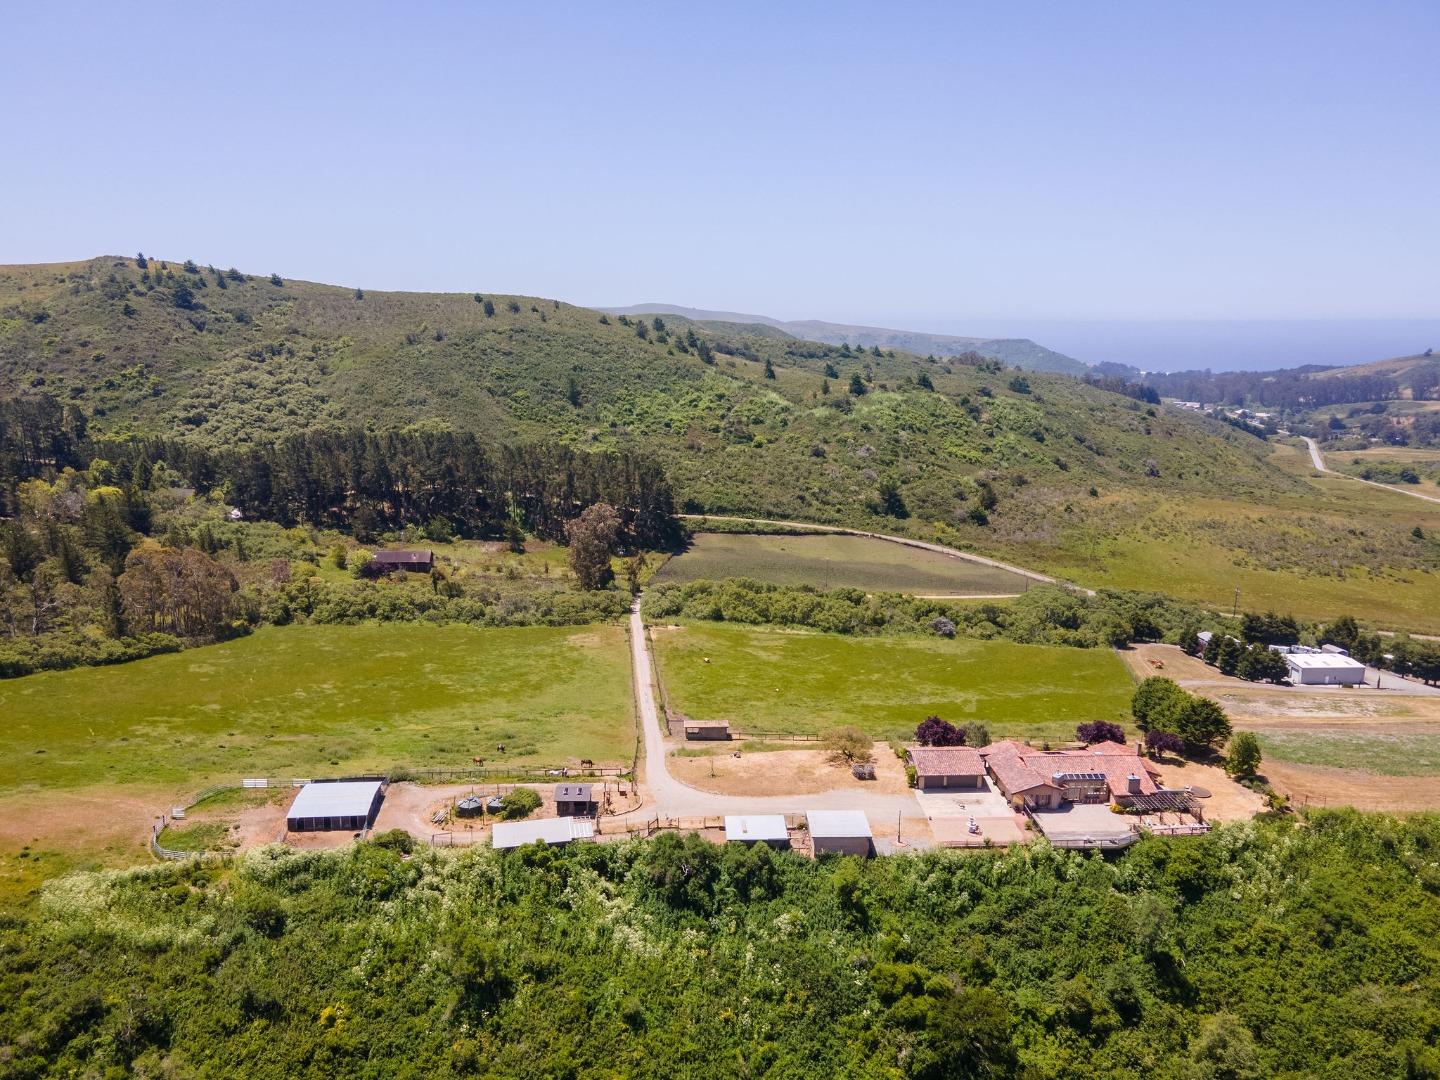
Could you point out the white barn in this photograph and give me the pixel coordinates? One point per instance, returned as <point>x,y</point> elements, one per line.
<point>757,829</point>
<point>1324,669</point>
<point>340,804</point>
<point>556,830</point>
<point>840,832</point>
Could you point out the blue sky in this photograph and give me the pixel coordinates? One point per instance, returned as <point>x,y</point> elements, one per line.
<point>976,168</point>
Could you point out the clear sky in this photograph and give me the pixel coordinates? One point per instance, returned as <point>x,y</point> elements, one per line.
<point>966,167</point>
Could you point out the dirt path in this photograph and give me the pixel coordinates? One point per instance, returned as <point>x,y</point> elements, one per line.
<point>1318,460</point>
<point>939,549</point>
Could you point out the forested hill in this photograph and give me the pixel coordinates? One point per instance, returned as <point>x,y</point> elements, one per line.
<point>1018,352</point>
<point>1404,377</point>
<point>746,424</point>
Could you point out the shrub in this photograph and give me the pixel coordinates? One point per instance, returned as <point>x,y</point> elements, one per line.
<point>520,802</point>
<point>1163,742</point>
<point>932,731</point>
<point>1243,755</point>
<point>848,744</point>
<point>1100,731</point>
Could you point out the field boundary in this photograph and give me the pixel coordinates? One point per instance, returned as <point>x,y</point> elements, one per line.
<point>905,541</point>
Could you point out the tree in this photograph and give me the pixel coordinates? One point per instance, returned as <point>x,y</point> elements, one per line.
<point>1156,702</point>
<point>848,744</point>
<point>769,368</point>
<point>1020,385</point>
<point>1344,632</point>
<point>489,308</point>
<point>1189,640</point>
<point>970,1036</point>
<point>658,324</point>
<point>591,537</point>
<point>1201,722</point>
<point>362,563</point>
<point>1227,655</point>
<point>857,385</point>
<point>924,382</point>
<point>1159,742</point>
<point>276,279</point>
<point>830,371</point>
<point>1224,1049</point>
<point>1100,731</point>
<point>976,733</point>
<point>572,392</point>
<point>892,503</point>
<point>338,556</point>
<point>1242,756</point>
<point>182,296</point>
<point>932,731</point>
<point>359,293</point>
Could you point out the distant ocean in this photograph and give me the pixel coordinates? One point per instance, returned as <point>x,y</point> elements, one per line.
<point>1220,346</point>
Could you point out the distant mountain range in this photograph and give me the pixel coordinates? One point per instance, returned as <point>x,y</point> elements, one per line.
<point>1019,352</point>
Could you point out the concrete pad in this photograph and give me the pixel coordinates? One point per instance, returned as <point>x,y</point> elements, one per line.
<point>949,814</point>
<point>1083,820</point>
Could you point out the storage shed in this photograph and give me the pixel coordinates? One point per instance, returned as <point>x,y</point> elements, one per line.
<point>338,804</point>
<point>947,767</point>
<point>757,829</point>
<point>698,730</point>
<point>419,562</point>
<point>557,830</point>
<point>574,800</point>
<point>840,832</point>
<point>1324,669</point>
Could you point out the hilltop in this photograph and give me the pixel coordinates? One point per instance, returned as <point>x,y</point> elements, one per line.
<point>1018,352</point>
<point>1037,468</point>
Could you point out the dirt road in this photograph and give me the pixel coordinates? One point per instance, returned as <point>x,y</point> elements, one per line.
<point>939,549</point>
<point>1318,460</point>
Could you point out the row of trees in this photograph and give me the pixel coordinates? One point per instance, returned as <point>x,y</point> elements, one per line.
<point>371,482</point>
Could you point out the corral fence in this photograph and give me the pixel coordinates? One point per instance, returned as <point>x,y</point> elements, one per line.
<point>662,823</point>
<point>775,736</point>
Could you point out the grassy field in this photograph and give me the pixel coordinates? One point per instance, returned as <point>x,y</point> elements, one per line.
<point>835,561</point>
<point>796,682</point>
<point>1392,751</point>
<point>322,700</point>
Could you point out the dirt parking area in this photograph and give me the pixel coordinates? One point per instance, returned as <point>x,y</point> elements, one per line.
<point>783,772</point>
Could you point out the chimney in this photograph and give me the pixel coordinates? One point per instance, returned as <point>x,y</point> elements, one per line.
<point>1133,783</point>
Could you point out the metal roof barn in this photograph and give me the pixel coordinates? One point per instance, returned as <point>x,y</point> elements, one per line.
<point>840,832</point>
<point>342,804</point>
<point>513,834</point>
<point>1324,668</point>
<point>757,828</point>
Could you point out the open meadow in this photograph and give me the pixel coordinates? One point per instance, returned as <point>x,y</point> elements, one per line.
<point>833,561</point>
<point>807,682</point>
<point>90,754</point>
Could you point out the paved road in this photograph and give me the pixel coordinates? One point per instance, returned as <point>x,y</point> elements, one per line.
<point>668,797</point>
<point>1318,460</point>
<point>940,549</point>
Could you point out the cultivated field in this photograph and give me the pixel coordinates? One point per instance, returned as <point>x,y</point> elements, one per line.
<point>90,755</point>
<point>798,682</point>
<point>836,561</point>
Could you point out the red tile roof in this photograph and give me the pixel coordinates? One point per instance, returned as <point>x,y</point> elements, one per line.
<point>946,761</point>
<point>1013,772</point>
<point>1019,768</point>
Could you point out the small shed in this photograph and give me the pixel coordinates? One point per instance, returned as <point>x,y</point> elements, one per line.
<point>757,829</point>
<point>558,830</point>
<point>336,804</point>
<point>574,800</point>
<point>840,832</point>
<point>698,730</point>
<point>470,806</point>
<point>419,562</point>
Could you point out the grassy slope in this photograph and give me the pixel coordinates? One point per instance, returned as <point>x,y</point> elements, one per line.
<point>322,700</point>
<point>833,562</point>
<point>732,440</point>
<point>772,680</point>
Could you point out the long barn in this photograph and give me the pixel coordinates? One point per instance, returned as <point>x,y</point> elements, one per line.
<point>339,804</point>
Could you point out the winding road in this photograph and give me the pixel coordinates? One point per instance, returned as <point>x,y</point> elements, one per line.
<point>1318,460</point>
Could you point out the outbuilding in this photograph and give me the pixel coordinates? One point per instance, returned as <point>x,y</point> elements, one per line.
<point>574,800</point>
<point>418,562</point>
<point>757,829</point>
<point>840,832</point>
<point>947,767</point>
<point>557,830</point>
<point>335,804</point>
<point>701,730</point>
<point>1324,669</point>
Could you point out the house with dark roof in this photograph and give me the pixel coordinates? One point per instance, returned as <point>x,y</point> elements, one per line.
<point>418,562</point>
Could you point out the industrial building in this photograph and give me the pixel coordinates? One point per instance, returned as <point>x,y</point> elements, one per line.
<point>1324,669</point>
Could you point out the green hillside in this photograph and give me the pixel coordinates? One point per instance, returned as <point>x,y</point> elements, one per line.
<point>1033,466</point>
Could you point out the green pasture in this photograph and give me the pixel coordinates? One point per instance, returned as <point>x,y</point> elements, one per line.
<point>323,700</point>
<point>802,681</point>
<point>1410,751</point>
<point>833,561</point>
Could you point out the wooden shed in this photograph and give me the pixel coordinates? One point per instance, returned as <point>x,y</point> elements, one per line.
<point>697,730</point>
<point>574,800</point>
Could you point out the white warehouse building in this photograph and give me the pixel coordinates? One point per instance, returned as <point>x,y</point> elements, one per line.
<point>1324,669</point>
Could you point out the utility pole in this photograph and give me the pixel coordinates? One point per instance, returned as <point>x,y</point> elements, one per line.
<point>1236,610</point>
